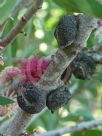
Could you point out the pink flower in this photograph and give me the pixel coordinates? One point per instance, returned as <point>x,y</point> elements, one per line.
<point>34,68</point>
<point>30,70</point>
<point>8,74</point>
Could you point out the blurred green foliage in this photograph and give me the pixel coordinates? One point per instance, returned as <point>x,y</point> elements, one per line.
<point>5,8</point>
<point>89,7</point>
<point>88,133</point>
<point>86,103</point>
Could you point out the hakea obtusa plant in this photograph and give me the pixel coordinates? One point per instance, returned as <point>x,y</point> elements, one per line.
<point>30,72</point>
<point>33,99</point>
<point>30,69</point>
<point>30,97</point>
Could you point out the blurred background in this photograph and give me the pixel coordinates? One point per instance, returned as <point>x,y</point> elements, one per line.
<point>38,39</point>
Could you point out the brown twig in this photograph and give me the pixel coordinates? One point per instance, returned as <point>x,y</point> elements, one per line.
<point>20,25</point>
<point>17,7</point>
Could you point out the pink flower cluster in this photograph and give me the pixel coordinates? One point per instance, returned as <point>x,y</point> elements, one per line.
<point>34,68</point>
<point>30,70</point>
<point>8,74</point>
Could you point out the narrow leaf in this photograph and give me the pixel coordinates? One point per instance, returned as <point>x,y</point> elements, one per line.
<point>4,100</point>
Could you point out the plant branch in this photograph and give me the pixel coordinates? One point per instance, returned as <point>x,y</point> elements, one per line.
<point>20,25</point>
<point>51,78</point>
<point>62,59</point>
<point>78,127</point>
<point>16,125</point>
<point>18,6</point>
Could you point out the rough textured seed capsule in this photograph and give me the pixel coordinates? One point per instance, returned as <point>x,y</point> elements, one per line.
<point>58,98</point>
<point>66,31</point>
<point>83,66</point>
<point>31,99</point>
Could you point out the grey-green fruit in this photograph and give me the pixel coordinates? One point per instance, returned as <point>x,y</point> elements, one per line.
<point>66,31</point>
<point>58,98</point>
<point>31,99</point>
<point>83,67</point>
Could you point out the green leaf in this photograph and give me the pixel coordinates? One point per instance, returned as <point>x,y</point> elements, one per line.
<point>89,7</point>
<point>94,132</point>
<point>4,100</point>
<point>6,7</point>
